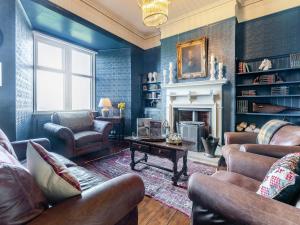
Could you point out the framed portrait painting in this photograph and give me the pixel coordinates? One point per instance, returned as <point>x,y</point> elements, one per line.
<point>192,59</point>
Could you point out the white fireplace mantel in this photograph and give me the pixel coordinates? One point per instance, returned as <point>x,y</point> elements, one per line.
<point>197,95</point>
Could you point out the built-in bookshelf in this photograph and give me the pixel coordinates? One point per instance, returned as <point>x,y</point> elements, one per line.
<point>265,95</point>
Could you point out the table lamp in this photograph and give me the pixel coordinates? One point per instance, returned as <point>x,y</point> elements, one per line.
<point>105,104</point>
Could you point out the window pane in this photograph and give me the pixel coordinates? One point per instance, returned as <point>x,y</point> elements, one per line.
<point>81,63</point>
<point>81,93</point>
<point>50,56</point>
<point>49,91</point>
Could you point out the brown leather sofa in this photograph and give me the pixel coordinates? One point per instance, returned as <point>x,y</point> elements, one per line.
<point>285,140</point>
<point>76,133</point>
<point>229,197</point>
<point>102,202</point>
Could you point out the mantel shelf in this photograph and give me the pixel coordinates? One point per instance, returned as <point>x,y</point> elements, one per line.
<point>196,83</point>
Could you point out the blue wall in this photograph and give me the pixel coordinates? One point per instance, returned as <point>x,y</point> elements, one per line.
<point>7,57</point>
<point>152,60</point>
<point>221,42</point>
<point>24,75</point>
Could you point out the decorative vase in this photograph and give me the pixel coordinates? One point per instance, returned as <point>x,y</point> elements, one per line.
<point>121,113</point>
<point>210,145</point>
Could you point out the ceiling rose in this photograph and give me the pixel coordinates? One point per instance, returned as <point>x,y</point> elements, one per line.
<point>155,12</point>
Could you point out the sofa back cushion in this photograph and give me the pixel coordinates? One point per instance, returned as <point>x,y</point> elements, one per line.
<point>21,200</point>
<point>5,143</point>
<point>287,135</point>
<point>76,121</point>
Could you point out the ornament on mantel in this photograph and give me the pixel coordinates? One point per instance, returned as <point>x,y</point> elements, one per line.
<point>164,77</point>
<point>212,67</point>
<point>171,73</point>
<point>221,72</point>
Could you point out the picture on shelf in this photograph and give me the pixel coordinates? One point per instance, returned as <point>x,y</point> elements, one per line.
<point>149,128</point>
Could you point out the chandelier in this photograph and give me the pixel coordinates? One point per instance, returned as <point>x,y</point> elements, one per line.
<point>155,12</point>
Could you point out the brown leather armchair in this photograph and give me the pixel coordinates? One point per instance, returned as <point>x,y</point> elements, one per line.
<point>284,141</point>
<point>76,133</point>
<point>102,202</point>
<point>229,197</point>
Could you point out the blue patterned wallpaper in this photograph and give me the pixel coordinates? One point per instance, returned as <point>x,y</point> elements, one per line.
<point>221,42</point>
<point>24,75</point>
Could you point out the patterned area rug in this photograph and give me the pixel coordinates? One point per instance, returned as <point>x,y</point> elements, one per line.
<point>157,182</point>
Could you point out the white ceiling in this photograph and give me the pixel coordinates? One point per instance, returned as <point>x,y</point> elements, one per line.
<point>128,13</point>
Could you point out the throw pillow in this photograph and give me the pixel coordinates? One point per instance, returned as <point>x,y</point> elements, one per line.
<point>54,178</point>
<point>5,143</point>
<point>282,181</point>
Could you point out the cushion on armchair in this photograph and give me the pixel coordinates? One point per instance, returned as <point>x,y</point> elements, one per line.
<point>53,177</point>
<point>84,138</point>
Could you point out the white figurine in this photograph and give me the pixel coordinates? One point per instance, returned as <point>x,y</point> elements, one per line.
<point>171,73</point>
<point>221,75</point>
<point>150,77</point>
<point>212,67</point>
<point>165,76</point>
<point>154,77</point>
<point>266,64</point>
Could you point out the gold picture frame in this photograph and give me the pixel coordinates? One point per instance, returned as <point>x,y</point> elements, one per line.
<point>192,58</point>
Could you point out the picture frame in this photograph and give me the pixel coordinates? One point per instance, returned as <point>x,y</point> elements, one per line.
<point>192,58</point>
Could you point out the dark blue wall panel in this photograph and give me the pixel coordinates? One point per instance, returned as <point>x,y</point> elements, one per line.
<point>7,57</point>
<point>24,75</point>
<point>221,38</point>
<point>152,60</point>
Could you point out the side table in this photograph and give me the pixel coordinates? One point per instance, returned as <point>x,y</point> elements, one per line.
<point>118,126</point>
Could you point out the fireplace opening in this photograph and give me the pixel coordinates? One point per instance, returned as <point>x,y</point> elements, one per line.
<point>193,124</point>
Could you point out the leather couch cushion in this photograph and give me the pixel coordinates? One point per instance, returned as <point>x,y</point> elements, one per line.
<point>287,135</point>
<point>53,177</point>
<point>238,180</point>
<point>5,143</point>
<point>20,198</point>
<point>76,121</point>
<point>84,138</point>
<point>226,149</point>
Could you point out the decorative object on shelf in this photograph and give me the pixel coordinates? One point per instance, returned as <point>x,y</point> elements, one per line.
<point>155,12</point>
<point>154,76</point>
<point>267,108</point>
<point>166,128</point>
<point>266,64</point>
<point>221,71</point>
<point>171,73</point>
<point>105,104</point>
<point>244,127</point>
<point>192,59</point>
<point>164,77</point>
<point>242,106</point>
<point>212,67</point>
<point>282,90</point>
<point>121,107</point>
<point>268,79</point>
<point>150,77</point>
<point>248,93</point>
<point>243,67</point>
<point>145,88</point>
<point>210,145</point>
<point>294,60</point>
<point>174,139</point>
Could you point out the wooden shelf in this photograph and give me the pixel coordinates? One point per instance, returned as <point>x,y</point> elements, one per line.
<point>268,96</point>
<point>150,99</point>
<point>274,84</point>
<point>152,90</point>
<point>271,114</point>
<point>268,71</point>
<point>151,83</point>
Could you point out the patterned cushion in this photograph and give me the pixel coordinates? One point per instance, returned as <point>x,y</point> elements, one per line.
<point>269,129</point>
<point>282,181</point>
<point>53,177</point>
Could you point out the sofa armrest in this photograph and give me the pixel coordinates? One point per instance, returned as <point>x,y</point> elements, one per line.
<point>240,138</point>
<point>238,205</point>
<point>105,204</point>
<point>103,127</point>
<point>277,151</point>
<point>20,147</point>
<point>250,165</point>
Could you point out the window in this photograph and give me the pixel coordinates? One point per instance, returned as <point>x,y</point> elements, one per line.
<point>64,76</point>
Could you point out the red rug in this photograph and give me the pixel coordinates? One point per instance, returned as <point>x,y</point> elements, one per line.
<point>157,182</point>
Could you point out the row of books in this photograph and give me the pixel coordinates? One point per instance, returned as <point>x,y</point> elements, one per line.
<point>242,106</point>
<point>249,93</point>
<point>243,67</point>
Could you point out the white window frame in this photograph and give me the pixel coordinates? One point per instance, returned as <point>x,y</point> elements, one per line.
<point>66,70</point>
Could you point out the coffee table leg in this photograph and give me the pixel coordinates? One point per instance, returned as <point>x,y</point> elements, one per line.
<point>146,157</point>
<point>132,164</point>
<point>175,176</point>
<point>185,168</point>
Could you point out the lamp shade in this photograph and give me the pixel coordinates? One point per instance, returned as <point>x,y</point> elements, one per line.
<point>105,103</point>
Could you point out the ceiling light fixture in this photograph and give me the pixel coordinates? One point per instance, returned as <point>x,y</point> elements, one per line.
<point>155,12</point>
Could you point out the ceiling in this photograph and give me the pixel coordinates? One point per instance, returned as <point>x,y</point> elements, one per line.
<point>129,14</point>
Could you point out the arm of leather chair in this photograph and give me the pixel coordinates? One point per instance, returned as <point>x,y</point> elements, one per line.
<point>238,205</point>
<point>103,127</point>
<point>240,138</point>
<point>21,146</point>
<point>277,151</point>
<point>250,165</point>
<point>105,204</point>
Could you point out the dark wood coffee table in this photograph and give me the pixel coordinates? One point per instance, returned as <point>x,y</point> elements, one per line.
<point>161,149</point>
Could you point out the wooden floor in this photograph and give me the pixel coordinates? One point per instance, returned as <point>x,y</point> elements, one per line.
<point>152,212</point>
